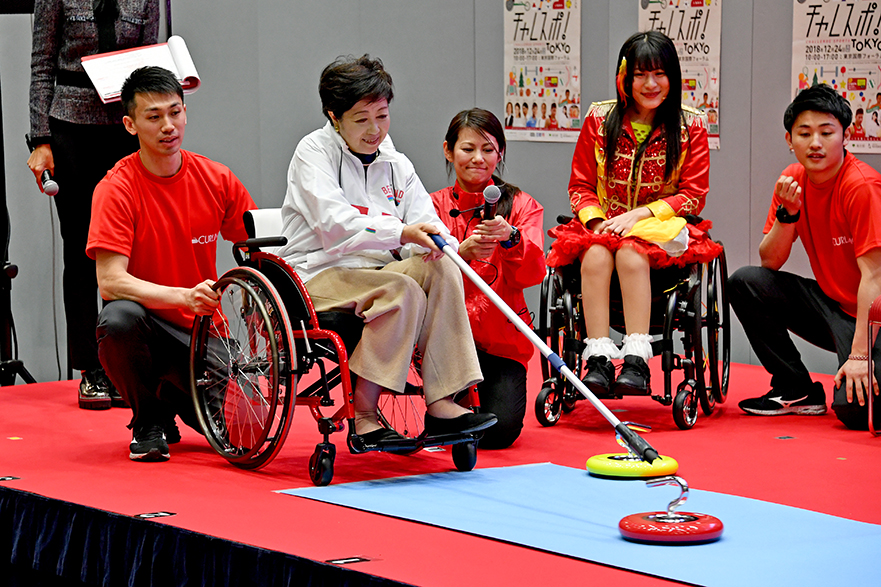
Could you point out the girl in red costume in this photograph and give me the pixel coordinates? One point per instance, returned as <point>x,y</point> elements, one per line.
<point>641,164</point>
<point>506,251</point>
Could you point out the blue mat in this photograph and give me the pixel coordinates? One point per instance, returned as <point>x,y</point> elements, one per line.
<point>566,511</point>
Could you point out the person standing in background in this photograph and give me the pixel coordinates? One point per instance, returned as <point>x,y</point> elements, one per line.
<point>78,139</point>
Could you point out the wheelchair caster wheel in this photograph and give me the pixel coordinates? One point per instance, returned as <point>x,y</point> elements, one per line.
<point>627,466</point>
<point>321,464</point>
<point>671,527</point>
<point>685,409</point>
<point>465,456</point>
<point>548,406</point>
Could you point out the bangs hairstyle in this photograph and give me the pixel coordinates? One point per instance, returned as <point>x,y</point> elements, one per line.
<point>348,80</point>
<point>650,51</point>
<point>819,98</point>
<point>484,123</point>
<point>148,80</point>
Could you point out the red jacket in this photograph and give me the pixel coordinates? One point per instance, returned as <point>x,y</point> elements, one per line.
<point>599,188</point>
<point>508,271</point>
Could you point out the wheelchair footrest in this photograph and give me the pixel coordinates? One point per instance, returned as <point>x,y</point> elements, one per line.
<point>450,439</point>
<point>404,445</point>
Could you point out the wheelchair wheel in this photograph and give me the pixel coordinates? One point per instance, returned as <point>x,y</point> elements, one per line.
<point>242,370</point>
<point>700,334</point>
<point>548,405</point>
<point>403,413</point>
<point>717,316</point>
<point>321,464</point>
<point>465,456</point>
<point>550,286</point>
<point>685,409</point>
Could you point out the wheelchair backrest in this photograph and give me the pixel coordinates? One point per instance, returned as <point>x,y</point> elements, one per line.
<point>263,222</point>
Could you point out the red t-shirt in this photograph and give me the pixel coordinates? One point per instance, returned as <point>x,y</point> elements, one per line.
<point>168,226</point>
<point>839,222</point>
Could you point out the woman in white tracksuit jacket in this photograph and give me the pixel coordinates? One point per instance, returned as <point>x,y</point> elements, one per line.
<point>357,220</point>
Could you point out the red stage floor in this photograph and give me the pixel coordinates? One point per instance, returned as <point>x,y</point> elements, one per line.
<point>61,452</point>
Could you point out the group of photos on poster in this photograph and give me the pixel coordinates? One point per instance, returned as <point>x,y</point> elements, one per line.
<point>543,55</point>
<point>839,43</point>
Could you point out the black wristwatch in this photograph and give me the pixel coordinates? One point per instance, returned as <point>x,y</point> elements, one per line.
<point>513,240</point>
<point>784,217</point>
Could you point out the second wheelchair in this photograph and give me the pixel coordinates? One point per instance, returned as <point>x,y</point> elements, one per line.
<point>690,301</point>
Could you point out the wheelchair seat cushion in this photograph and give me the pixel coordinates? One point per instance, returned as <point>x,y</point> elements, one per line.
<point>573,239</point>
<point>346,324</point>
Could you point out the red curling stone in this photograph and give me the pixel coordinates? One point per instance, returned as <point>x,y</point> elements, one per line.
<point>666,528</point>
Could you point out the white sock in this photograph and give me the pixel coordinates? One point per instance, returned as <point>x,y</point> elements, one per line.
<point>601,347</point>
<point>639,345</point>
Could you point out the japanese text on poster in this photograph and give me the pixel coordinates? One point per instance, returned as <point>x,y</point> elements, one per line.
<point>696,29</point>
<point>542,70</point>
<point>837,43</point>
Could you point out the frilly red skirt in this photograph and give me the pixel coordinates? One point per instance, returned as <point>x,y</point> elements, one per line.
<point>573,239</point>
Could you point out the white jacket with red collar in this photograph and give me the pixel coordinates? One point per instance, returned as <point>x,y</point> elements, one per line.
<point>337,212</point>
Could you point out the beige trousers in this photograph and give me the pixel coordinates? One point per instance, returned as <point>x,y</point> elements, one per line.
<point>405,303</point>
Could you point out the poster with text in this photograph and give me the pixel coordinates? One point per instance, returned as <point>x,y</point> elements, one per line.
<point>542,70</point>
<point>837,43</point>
<point>696,29</point>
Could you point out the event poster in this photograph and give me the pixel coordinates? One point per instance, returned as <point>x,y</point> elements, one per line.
<point>837,43</point>
<point>696,29</point>
<point>542,70</point>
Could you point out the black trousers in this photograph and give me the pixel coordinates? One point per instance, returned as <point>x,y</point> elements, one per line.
<point>503,393</point>
<point>83,154</point>
<point>771,304</point>
<point>148,360</point>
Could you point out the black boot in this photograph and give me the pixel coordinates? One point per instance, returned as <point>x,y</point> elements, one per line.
<point>600,373</point>
<point>634,376</point>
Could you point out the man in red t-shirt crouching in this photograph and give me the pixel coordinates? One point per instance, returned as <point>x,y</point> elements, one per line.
<point>155,220</point>
<point>832,202</point>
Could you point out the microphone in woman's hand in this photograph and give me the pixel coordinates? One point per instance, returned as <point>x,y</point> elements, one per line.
<point>491,195</point>
<point>50,186</point>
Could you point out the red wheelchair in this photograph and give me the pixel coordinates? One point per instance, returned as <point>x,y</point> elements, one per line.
<point>247,359</point>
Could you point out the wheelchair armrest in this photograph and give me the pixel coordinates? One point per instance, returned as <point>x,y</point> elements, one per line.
<point>253,245</point>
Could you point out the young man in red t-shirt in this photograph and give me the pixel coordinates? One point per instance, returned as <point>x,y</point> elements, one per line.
<point>155,220</point>
<point>832,202</point>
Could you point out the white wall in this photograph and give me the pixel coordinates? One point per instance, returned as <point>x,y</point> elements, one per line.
<point>260,62</point>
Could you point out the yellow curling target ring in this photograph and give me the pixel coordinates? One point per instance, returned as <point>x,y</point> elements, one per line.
<point>628,466</point>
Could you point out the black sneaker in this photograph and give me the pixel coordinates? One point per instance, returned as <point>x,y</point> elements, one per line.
<point>148,445</point>
<point>600,374</point>
<point>777,403</point>
<point>94,393</point>
<point>172,432</point>
<point>634,376</point>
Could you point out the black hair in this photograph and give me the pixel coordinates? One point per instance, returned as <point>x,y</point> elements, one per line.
<point>348,80</point>
<point>649,51</point>
<point>148,80</point>
<point>818,98</point>
<point>487,125</point>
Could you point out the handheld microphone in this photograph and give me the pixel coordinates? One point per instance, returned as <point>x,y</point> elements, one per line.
<point>50,186</point>
<point>491,195</point>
